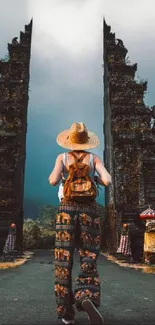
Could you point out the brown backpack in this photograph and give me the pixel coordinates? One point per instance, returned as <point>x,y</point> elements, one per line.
<point>79,186</point>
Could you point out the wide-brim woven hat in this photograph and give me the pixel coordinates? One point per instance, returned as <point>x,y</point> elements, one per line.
<point>78,137</point>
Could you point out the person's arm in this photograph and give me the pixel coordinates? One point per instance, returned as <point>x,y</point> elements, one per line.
<point>104,176</point>
<point>98,180</point>
<point>55,176</point>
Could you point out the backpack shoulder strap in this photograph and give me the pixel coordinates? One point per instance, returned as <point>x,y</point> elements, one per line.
<point>74,155</point>
<point>78,159</point>
<point>82,157</point>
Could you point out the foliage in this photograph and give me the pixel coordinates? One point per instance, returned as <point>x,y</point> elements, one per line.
<point>37,236</point>
<point>47,216</point>
<point>41,232</point>
<point>31,234</point>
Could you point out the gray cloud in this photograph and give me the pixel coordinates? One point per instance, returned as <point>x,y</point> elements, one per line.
<point>13,16</point>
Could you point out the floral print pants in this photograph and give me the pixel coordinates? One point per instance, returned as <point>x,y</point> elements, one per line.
<point>69,218</point>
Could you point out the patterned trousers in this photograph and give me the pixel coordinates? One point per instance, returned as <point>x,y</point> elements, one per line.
<point>70,218</point>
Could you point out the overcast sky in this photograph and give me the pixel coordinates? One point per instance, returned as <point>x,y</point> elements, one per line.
<point>66,73</point>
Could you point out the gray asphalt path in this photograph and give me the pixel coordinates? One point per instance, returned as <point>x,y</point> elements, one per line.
<point>27,293</point>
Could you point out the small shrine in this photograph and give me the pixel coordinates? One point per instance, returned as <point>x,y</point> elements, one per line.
<point>149,235</point>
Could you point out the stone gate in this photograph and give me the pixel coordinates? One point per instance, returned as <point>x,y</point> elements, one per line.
<point>14,86</point>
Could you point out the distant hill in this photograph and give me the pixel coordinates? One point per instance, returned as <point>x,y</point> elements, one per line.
<point>33,209</point>
<point>32,206</point>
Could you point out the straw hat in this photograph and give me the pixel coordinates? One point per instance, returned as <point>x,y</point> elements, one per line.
<point>77,138</point>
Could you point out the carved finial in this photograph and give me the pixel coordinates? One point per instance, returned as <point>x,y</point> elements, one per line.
<point>15,40</point>
<point>119,42</point>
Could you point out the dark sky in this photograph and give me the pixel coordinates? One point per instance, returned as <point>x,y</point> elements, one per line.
<point>66,73</point>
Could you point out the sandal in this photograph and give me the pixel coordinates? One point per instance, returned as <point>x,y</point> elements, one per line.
<point>94,315</point>
<point>67,320</point>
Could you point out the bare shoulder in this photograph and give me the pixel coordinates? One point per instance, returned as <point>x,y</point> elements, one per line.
<point>59,157</point>
<point>96,156</point>
<point>97,159</point>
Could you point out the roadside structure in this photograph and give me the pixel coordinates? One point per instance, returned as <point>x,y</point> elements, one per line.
<point>129,135</point>
<point>14,87</point>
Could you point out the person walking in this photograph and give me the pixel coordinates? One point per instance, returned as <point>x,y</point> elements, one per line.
<point>78,210</point>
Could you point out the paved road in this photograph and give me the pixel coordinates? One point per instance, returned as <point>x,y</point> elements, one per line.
<point>27,294</point>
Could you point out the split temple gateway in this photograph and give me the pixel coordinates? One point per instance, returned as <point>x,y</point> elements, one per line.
<point>14,83</point>
<point>129,135</point>
<point>129,154</point>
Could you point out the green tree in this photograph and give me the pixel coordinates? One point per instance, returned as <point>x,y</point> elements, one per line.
<point>47,216</point>
<point>31,234</point>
